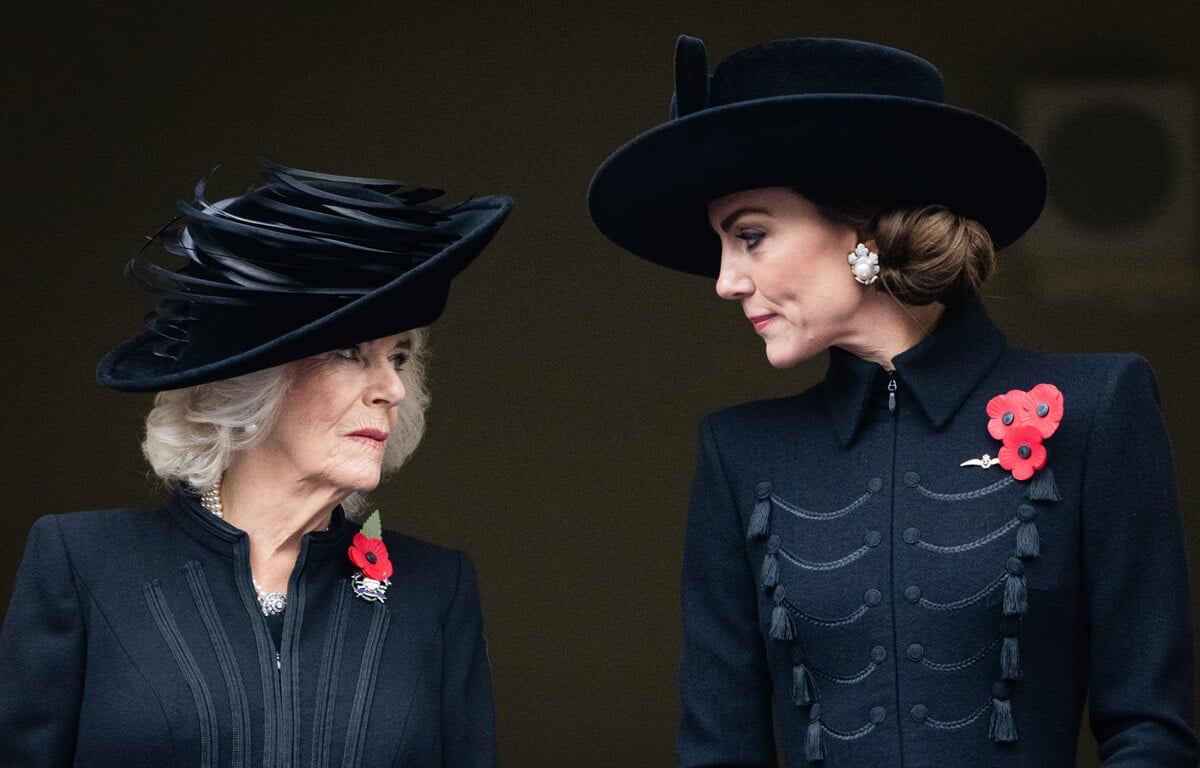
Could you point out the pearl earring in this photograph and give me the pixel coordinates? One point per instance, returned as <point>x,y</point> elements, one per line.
<point>250,429</point>
<point>864,264</point>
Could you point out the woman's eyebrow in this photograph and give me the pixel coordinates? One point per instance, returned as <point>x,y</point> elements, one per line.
<point>404,344</point>
<point>728,221</point>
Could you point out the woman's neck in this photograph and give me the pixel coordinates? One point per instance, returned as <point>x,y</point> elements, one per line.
<point>275,511</point>
<point>885,328</point>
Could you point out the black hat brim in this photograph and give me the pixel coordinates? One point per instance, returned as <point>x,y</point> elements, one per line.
<point>651,195</point>
<point>231,346</point>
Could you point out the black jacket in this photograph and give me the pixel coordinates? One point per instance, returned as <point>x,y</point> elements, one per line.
<point>134,639</point>
<point>898,609</point>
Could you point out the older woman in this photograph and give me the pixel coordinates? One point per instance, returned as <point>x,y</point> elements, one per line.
<point>935,556</point>
<point>248,622</point>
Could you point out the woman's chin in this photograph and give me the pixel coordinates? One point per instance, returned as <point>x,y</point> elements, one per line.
<point>781,357</point>
<point>367,484</point>
<point>361,482</point>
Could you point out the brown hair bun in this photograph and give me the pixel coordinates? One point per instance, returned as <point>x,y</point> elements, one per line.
<point>926,254</point>
<point>930,254</point>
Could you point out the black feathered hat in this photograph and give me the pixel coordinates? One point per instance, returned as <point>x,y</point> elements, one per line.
<point>840,119</point>
<point>300,264</point>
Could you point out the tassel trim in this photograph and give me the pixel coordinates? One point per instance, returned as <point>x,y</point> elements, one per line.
<point>1029,543</point>
<point>814,751</point>
<point>760,519</point>
<point>770,571</point>
<point>1042,486</point>
<point>1016,599</point>
<point>781,624</point>
<point>1010,659</point>
<point>1002,729</point>
<point>804,690</point>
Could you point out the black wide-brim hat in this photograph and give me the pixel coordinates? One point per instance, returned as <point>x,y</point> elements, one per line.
<point>302,263</point>
<point>841,120</point>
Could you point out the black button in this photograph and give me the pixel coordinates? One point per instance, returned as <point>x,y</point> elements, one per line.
<point>1027,512</point>
<point>912,535</point>
<point>873,538</point>
<point>773,543</point>
<point>1008,418</point>
<point>920,712</point>
<point>878,654</point>
<point>1024,451</point>
<point>779,595</point>
<point>872,597</point>
<point>1015,566</point>
<point>1000,690</point>
<point>762,490</point>
<point>915,652</point>
<point>911,479</point>
<point>912,594</point>
<point>1043,409</point>
<point>878,714</point>
<point>875,485</point>
<point>814,712</point>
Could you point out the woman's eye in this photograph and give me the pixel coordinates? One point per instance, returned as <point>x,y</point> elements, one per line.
<point>398,361</point>
<point>349,353</point>
<point>751,237</point>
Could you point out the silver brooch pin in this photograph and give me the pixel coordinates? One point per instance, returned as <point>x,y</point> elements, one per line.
<point>985,461</point>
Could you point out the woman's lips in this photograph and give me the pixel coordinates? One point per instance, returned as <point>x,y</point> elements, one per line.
<point>372,437</point>
<point>762,321</point>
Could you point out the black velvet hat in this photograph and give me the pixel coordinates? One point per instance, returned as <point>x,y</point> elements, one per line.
<point>838,119</point>
<point>301,263</point>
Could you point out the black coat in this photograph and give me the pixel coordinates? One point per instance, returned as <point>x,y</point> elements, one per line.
<point>898,609</point>
<point>134,639</point>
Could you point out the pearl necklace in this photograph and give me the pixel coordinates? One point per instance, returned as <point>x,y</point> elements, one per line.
<point>271,603</point>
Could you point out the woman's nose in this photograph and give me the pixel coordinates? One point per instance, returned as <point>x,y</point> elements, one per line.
<point>732,281</point>
<point>387,387</point>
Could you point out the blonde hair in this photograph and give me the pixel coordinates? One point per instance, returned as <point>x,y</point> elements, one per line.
<point>193,433</point>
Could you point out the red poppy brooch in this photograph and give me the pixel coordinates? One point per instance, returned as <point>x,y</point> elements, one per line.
<point>1021,421</point>
<point>370,555</point>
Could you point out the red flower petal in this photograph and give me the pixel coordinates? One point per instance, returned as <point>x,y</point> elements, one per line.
<point>1037,458</point>
<point>1002,408</point>
<point>363,547</point>
<point>1042,407</point>
<point>380,570</point>
<point>358,550</point>
<point>1018,437</point>
<point>999,404</point>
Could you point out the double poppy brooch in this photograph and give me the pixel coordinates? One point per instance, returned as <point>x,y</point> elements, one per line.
<point>1021,421</point>
<point>370,556</point>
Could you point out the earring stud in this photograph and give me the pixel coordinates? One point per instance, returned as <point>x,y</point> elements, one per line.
<point>864,264</point>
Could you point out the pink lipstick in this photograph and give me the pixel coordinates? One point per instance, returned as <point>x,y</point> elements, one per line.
<point>762,321</point>
<point>373,437</point>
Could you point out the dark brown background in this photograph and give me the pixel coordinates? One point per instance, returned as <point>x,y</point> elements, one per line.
<point>568,377</point>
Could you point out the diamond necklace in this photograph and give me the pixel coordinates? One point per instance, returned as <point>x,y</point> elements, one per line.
<point>271,603</point>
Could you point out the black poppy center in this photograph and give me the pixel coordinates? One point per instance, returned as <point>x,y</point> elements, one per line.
<point>372,559</point>
<point>1024,452</point>
<point>1042,409</point>
<point>1008,418</point>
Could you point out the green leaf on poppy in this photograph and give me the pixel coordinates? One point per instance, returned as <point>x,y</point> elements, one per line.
<point>371,527</point>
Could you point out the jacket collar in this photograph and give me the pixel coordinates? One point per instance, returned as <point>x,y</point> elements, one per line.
<point>214,533</point>
<point>939,372</point>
